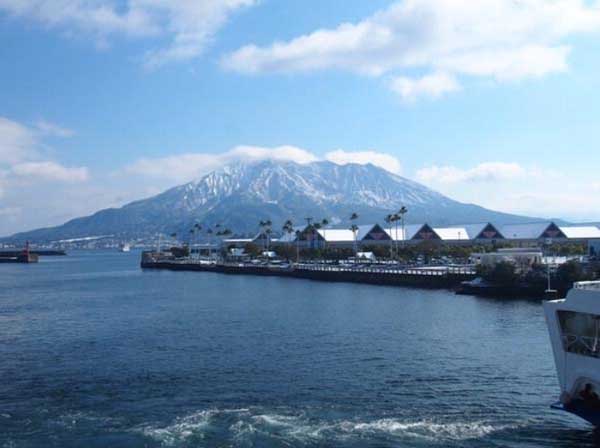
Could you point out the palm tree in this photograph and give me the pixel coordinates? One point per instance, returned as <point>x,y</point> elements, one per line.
<point>268,232</point>
<point>389,219</point>
<point>395,218</point>
<point>198,228</point>
<point>298,234</point>
<point>174,236</point>
<point>266,229</point>
<point>191,243</point>
<point>209,232</point>
<point>324,224</point>
<point>403,211</point>
<point>288,227</point>
<point>354,229</point>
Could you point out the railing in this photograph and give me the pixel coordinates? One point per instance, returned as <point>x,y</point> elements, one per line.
<point>581,345</point>
<point>388,271</point>
<point>591,285</point>
<point>317,267</point>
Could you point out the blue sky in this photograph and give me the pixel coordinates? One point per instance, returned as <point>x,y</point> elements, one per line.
<point>105,101</point>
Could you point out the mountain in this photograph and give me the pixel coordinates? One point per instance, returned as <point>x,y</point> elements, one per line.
<point>237,196</point>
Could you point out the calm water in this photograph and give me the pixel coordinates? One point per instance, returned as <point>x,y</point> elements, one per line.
<point>94,352</point>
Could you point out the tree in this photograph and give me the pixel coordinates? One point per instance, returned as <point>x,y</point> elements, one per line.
<point>252,249</point>
<point>209,232</point>
<point>569,273</point>
<point>403,211</point>
<point>288,227</point>
<point>298,235</point>
<point>265,227</point>
<point>389,219</point>
<point>503,273</point>
<point>324,224</point>
<point>354,228</point>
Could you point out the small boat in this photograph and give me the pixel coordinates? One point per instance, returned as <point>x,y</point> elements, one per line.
<point>574,327</point>
<point>125,247</point>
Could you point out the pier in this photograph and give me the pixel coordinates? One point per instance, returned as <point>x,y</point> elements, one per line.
<point>24,256</point>
<point>377,274</point>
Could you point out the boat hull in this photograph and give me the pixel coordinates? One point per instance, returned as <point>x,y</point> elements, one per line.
<point>592,416</point>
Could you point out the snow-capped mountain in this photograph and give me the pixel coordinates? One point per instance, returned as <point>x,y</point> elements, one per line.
<point>238,196</point>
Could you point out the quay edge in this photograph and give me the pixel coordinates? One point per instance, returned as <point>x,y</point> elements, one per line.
<point>418,277</point>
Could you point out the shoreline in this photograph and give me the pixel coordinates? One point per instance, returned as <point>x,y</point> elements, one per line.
<point>431,278</point>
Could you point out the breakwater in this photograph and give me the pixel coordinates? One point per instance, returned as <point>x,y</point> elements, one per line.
<point>433,277</point>
<point>22,257</point>
<point>38,252</point>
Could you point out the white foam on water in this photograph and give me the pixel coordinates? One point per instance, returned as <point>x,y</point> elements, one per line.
<point>183,428</point>
<point>299,428</point>
<point>430,430</point>
<point>73,419</point>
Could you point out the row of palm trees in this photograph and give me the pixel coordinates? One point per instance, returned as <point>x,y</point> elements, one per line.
<point>393,219</point>
<point>288,228</point>
<point>195,232</point>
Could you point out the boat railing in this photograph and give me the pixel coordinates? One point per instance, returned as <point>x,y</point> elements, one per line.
<point>589,285</point>
<point>581,345</point>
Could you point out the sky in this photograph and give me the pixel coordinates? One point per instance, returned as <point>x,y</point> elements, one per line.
<point>494,102</point>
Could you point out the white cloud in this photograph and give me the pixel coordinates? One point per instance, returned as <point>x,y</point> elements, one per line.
<point>432,86</point>
<point>382,160</point>
<point>188,24</point>
<point>53,130</point>
<point>16,142</point>
<point>21,155</point>
<point>25,171</point>
<point>185,167</point>
<point>519,189</point>
<point>51,171</point>
<point>501,39</point>
<point>484,172</point>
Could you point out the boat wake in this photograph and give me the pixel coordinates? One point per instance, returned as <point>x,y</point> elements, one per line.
<point>255,426</point>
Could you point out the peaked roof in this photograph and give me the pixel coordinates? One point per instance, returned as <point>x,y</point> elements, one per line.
<point>532,231</point>
<point>478,231</point>
<point>409,232</point>
<point>376,233</point>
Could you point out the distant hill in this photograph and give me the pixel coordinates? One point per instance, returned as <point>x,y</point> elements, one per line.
<point>237,196</point>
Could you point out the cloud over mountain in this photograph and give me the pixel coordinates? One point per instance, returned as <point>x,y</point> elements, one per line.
<point>188,166</point>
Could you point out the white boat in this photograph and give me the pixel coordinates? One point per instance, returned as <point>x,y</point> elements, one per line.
<point>125,247</point>
<point>574,326</point>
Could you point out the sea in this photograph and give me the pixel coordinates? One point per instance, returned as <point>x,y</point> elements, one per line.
<point>96,352</point>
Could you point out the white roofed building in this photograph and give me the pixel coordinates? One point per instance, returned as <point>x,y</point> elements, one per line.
<point>588,232</point>
<point>532,231</point>
<point>452,233</point>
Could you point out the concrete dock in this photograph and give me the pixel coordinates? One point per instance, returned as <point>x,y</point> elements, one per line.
<point>426,277</point>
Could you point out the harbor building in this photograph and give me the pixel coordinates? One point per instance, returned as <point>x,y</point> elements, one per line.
<point>523,235</point>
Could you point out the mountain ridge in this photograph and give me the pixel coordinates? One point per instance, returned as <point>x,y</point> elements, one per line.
<point>238,195</point>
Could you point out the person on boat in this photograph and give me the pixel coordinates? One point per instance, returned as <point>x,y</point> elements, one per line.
<point>589,397</point>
